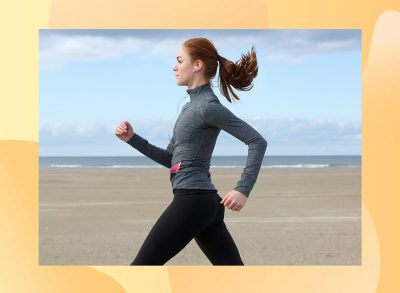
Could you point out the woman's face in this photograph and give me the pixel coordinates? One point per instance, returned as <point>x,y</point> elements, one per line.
<point>183,68</point>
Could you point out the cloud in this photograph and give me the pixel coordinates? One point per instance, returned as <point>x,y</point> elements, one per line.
<point>311,41</point>
<point>290,136</point>
<point>58,47</point>
<point>56,50</point>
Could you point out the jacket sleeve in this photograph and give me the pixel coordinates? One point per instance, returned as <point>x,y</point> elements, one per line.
<point>153,152</point>
<point>217,115</point>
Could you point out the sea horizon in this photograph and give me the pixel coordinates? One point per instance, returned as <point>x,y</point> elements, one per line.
<point>281,161</point>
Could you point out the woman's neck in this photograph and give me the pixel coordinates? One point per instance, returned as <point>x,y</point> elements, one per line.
<point>196,83</point>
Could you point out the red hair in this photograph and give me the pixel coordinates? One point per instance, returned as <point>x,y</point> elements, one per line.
<point>239,74</point>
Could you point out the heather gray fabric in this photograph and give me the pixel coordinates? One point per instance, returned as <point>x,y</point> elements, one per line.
<point>193,141</point>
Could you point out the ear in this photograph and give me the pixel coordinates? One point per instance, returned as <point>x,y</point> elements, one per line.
<point>199,64</point>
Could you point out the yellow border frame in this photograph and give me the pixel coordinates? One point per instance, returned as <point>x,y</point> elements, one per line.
<point>21,20</point>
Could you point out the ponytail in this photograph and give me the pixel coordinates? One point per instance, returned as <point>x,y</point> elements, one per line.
<point>238,75</point>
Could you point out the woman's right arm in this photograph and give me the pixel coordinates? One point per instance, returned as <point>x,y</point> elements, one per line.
<point>153,152</point>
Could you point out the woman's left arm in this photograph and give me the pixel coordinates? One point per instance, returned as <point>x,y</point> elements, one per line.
<point>216,115</point>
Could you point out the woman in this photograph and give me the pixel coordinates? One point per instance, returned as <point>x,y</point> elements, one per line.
<point>197,211</point>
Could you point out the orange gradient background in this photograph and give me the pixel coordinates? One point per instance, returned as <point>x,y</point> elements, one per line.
<point>19,175</point>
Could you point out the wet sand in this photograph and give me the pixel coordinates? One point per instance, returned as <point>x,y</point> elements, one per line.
<point>292,217</point>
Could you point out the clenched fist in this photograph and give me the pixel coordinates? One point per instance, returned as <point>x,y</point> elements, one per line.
<point>124,131</point>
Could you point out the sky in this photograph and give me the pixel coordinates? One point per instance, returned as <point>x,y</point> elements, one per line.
<point>305,100</point>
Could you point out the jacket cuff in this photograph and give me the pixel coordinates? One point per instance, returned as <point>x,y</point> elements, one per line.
<point>245,191</point>
<point>134,139</point>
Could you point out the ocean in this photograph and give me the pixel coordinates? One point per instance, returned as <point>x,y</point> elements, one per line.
<point>216,162</point>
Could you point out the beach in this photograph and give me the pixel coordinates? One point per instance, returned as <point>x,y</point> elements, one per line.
<point>293,216</point>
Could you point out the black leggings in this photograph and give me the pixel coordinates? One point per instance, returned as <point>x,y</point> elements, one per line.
<point>193,213</point>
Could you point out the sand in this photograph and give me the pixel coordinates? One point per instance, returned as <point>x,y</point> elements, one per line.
<point>292,217</point>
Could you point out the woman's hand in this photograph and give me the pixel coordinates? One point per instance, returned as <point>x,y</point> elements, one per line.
<point>234,200</point>
<point>124,131</point>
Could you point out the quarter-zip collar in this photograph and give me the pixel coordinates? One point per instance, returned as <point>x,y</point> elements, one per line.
<point>197,91</point>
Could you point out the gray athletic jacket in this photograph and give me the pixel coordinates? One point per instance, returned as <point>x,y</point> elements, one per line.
<point>196,129</point>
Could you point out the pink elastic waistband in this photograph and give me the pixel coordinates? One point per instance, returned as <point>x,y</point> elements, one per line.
<point>175,168</point>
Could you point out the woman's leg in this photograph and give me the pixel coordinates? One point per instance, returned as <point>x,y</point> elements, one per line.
<point>182,220</point>
<point>216,242</point>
